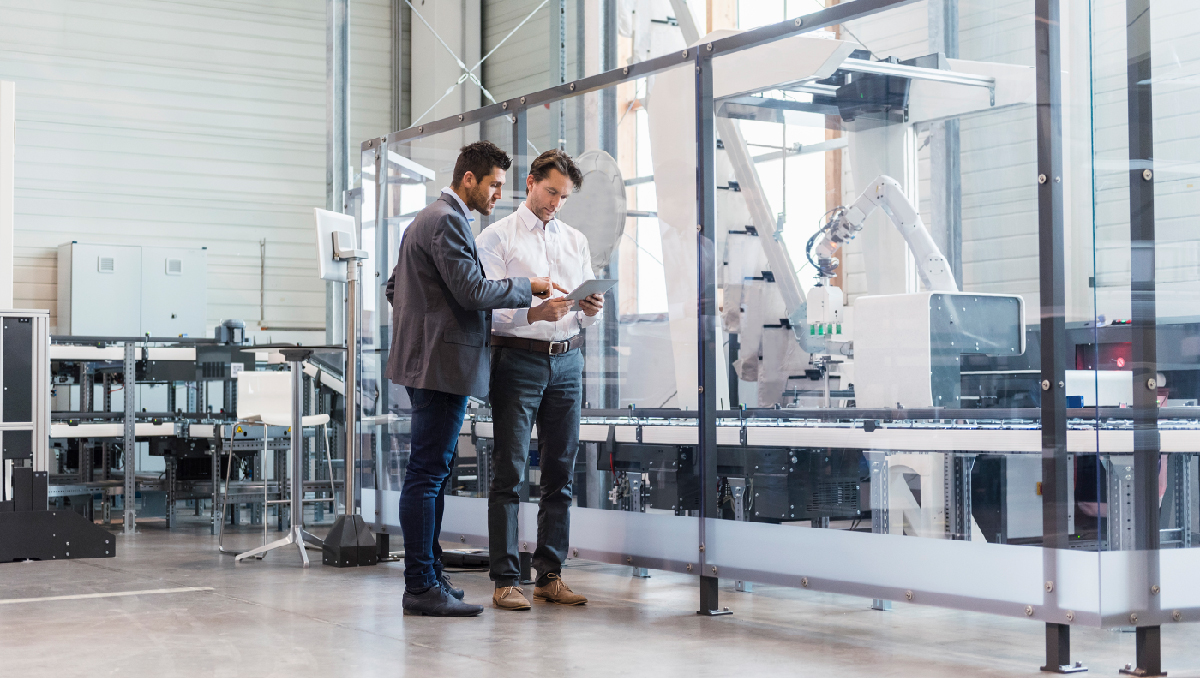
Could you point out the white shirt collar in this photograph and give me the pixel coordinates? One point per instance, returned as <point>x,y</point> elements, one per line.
<point>447,190</point>
<point>531,220</point>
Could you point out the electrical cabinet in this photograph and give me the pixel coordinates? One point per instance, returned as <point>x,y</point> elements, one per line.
<point>128,290</point>
<point>174,291</point>
<point>24,397</point>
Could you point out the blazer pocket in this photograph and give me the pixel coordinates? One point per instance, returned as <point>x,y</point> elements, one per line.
<point>464,338</point>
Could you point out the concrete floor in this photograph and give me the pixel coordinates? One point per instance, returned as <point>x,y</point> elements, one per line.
<point>272,618</point>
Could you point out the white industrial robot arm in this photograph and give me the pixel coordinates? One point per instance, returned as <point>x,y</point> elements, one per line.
<point>846,222</point>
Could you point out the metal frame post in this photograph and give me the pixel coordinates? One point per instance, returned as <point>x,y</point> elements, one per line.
<point>1143,317</point>
<point>1052,292</point>
<point>130,441</point>
<point>353,279</point>
<point>520,140</point>
<point>880,506</point>
<point>706,317</point>
<point>337,81</point>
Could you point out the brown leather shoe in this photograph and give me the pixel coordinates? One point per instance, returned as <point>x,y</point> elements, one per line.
<point>510,598</point>
<point>555,591</point>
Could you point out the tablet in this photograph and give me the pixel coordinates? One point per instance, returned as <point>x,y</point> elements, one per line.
<point>589,288</point>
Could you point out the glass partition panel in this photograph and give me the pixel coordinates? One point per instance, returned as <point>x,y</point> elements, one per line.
<point>1147,292</point>
<point>633,495</point>
<point>414,174</point>
<point>639,354</point>
<point>877,209</point>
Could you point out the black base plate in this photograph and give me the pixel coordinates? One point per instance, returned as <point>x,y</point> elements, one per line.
<point>349,543</point>
<point>52,535</point>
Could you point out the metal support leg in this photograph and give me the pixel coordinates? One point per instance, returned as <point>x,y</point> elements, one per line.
<point>960,466</point>
<point>1119,468</point>
<point>880,513</point>
<point>526,567</point>
<point>1058,650</point>
<point>1149,653</point>
<point>170,475</point>
<point>130,441</point>
<point>737,489</point>
<point>636,488</point>
<point>216,478</point>
<point>709,600</point>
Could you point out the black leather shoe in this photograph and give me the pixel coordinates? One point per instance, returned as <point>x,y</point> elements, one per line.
<point>445,582</point>
<point>437,602</point>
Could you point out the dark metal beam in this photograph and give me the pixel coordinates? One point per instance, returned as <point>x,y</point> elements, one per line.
<point>1143,320</point>
<point>706,321</point>
<point>735,43</point>
<point>1052,293</point>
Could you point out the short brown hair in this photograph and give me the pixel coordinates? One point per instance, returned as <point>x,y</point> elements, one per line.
<point>559,160</point>
<point>479,158</point>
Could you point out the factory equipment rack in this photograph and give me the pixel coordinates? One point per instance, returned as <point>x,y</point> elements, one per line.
<point>193,438</point>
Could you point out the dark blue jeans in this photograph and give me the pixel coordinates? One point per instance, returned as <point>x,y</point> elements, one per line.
<point>437,418</point>
<point>532,388</point>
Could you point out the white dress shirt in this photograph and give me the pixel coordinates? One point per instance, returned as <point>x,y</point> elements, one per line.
<point>519,245</point>
<point>450,192</point>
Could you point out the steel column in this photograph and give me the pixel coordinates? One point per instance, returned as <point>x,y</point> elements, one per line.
<point>1143,316</point>
<point>945,148</point>
<point>706,316</point>
<point>610,330</point>
<point>129,442</point>
<point>337,103</point>
<point>353,280</point>
<point>520,164</point>
<point>1052,284</point>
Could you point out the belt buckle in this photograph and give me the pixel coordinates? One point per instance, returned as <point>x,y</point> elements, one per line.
<point>564,344</point>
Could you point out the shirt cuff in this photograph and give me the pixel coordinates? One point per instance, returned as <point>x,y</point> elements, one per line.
<point>520,318</point>
<point>586,320</point>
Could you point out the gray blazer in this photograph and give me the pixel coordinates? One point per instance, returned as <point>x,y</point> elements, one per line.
<point>441,305</point>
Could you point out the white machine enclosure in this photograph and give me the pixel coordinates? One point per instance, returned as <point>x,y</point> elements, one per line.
<point>174,291</point>
<point>129,290</point>
<point>908,347</point>
<point>99,289</point>
<point>1101,388</point>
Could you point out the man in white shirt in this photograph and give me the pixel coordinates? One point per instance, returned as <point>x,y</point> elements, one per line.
<point>537,378</point>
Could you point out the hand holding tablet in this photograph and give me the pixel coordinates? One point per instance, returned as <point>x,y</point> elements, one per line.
<point>587,289</point>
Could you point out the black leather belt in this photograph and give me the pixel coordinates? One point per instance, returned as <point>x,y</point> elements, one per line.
<point>543,347</point>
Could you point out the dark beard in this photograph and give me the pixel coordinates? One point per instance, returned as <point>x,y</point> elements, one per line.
<point>479,200</point>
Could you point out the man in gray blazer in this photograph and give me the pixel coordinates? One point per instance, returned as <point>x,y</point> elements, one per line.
<point>441,315</point>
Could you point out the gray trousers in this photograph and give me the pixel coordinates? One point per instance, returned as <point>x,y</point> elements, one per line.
<point>529,388</point>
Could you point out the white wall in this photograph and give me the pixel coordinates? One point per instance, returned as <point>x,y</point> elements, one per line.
<point>197,124</point>
<point>1175,32</point>
<point>8,126</point>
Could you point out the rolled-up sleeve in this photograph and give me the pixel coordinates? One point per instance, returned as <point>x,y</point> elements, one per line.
<point>493,254</point>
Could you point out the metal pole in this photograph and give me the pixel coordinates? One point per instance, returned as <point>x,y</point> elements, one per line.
<point>1052,292</point>
<point>1143,317</point>
<point>337,115</point>
<point>130,440</point>
<point>706,317</point>
<point>520,164</point>
<point>297,441</point>
<point>353,272</point>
